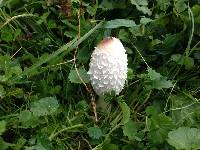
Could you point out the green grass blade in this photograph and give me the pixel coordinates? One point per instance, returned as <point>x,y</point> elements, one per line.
<point>66,48</point>
<point>16,17</point>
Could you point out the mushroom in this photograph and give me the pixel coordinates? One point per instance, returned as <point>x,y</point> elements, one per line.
<point>108,66</point>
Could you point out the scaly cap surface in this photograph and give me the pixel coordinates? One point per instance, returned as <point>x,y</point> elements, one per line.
<point>108,66</point>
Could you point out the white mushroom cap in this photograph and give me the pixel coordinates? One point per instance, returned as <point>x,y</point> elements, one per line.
<point>108,66</point>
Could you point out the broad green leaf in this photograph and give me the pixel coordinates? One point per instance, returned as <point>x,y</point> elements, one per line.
<point>180,5</point>
<point>145,20</point>
<point>2,126</point>
<point>136,31</point>
<point>142,5</point>
<point>157,80</point>
<point>83,105</point>
<point>140,2</point>
<point>163,83</point>
<point>16,70</point>
<point>185,138</point>
<point>163,4</point>
<point>43,140</point>
<point>125,112</point>
<point>178,58</point>
<point>130,130</point>
<point>161,121</point>
<point>159,127</point>
<point>157,136</point>
<point>188,110</point>
<point>82,75</point>
<point>8,68</point>
<point>95,132</point>
<point>153,74</point>
<point>5,62</point>
<point>27,119</point>
<point>151,110</point>
<point>20,143</point>
<point>116,23</point>
<point>188,62</point>
<point>4,145</point>
<point>43,143</point>
<point>44,106</point>
<point>144,9</point>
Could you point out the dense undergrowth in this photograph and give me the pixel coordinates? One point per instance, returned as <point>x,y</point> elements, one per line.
<point>44,105</point>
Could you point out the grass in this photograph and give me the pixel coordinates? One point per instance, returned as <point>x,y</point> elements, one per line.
<point>47,101</point>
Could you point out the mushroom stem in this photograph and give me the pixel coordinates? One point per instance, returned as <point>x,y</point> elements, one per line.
<point>94,107</point>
